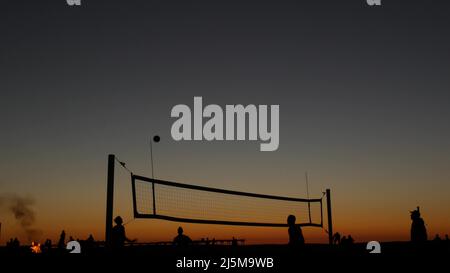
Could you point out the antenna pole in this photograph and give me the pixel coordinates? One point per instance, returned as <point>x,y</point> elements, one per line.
<point>151,158</point>
<point>307,195</point>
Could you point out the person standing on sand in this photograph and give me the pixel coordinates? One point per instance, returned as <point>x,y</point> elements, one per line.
<point>181,239</point>
<point>118,236</point>
<point>295,232</point>
<point>418,229</point>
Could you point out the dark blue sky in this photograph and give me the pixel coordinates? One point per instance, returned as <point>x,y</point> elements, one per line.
<point>363,94</point>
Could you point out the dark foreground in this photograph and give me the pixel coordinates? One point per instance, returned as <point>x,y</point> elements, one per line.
<point>251,258</point>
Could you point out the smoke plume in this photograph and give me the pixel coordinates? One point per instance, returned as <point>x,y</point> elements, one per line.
<point>22,209</point>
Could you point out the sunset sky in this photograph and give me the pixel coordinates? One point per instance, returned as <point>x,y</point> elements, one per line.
<point>364,95</point>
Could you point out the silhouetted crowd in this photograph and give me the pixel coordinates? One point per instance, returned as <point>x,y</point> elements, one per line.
<point>296,239</point>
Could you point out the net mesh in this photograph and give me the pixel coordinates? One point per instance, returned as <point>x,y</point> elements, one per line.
<point>206,205</point>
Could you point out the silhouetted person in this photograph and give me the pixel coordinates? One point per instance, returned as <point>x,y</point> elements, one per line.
<point>350,239</point>
<point>446,237</point>
<point>337,238</point>
<point>90,242</point>
<point>48,244</point>
<point>181,239</point>
<point>234,242</point>
<point>118,237</point>
<point>90,239</point>
<point>71,238</point>
<point>62,240</point>
<point>16,243</point>
<point>9,243</point>
<point>437,238</point>
<point>418,229</point>
<point>13,243</point>
<point>295,232</point>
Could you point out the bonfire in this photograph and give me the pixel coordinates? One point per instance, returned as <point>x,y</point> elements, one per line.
<point>35,248</point>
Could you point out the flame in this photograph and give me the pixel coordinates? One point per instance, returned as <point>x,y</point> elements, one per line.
<point>35,248</point>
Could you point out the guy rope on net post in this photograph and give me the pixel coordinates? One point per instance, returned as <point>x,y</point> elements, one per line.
<point>330,222</point>
<point>109,200</point>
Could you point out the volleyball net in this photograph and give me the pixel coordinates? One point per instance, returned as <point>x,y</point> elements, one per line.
<point>189,203</point>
